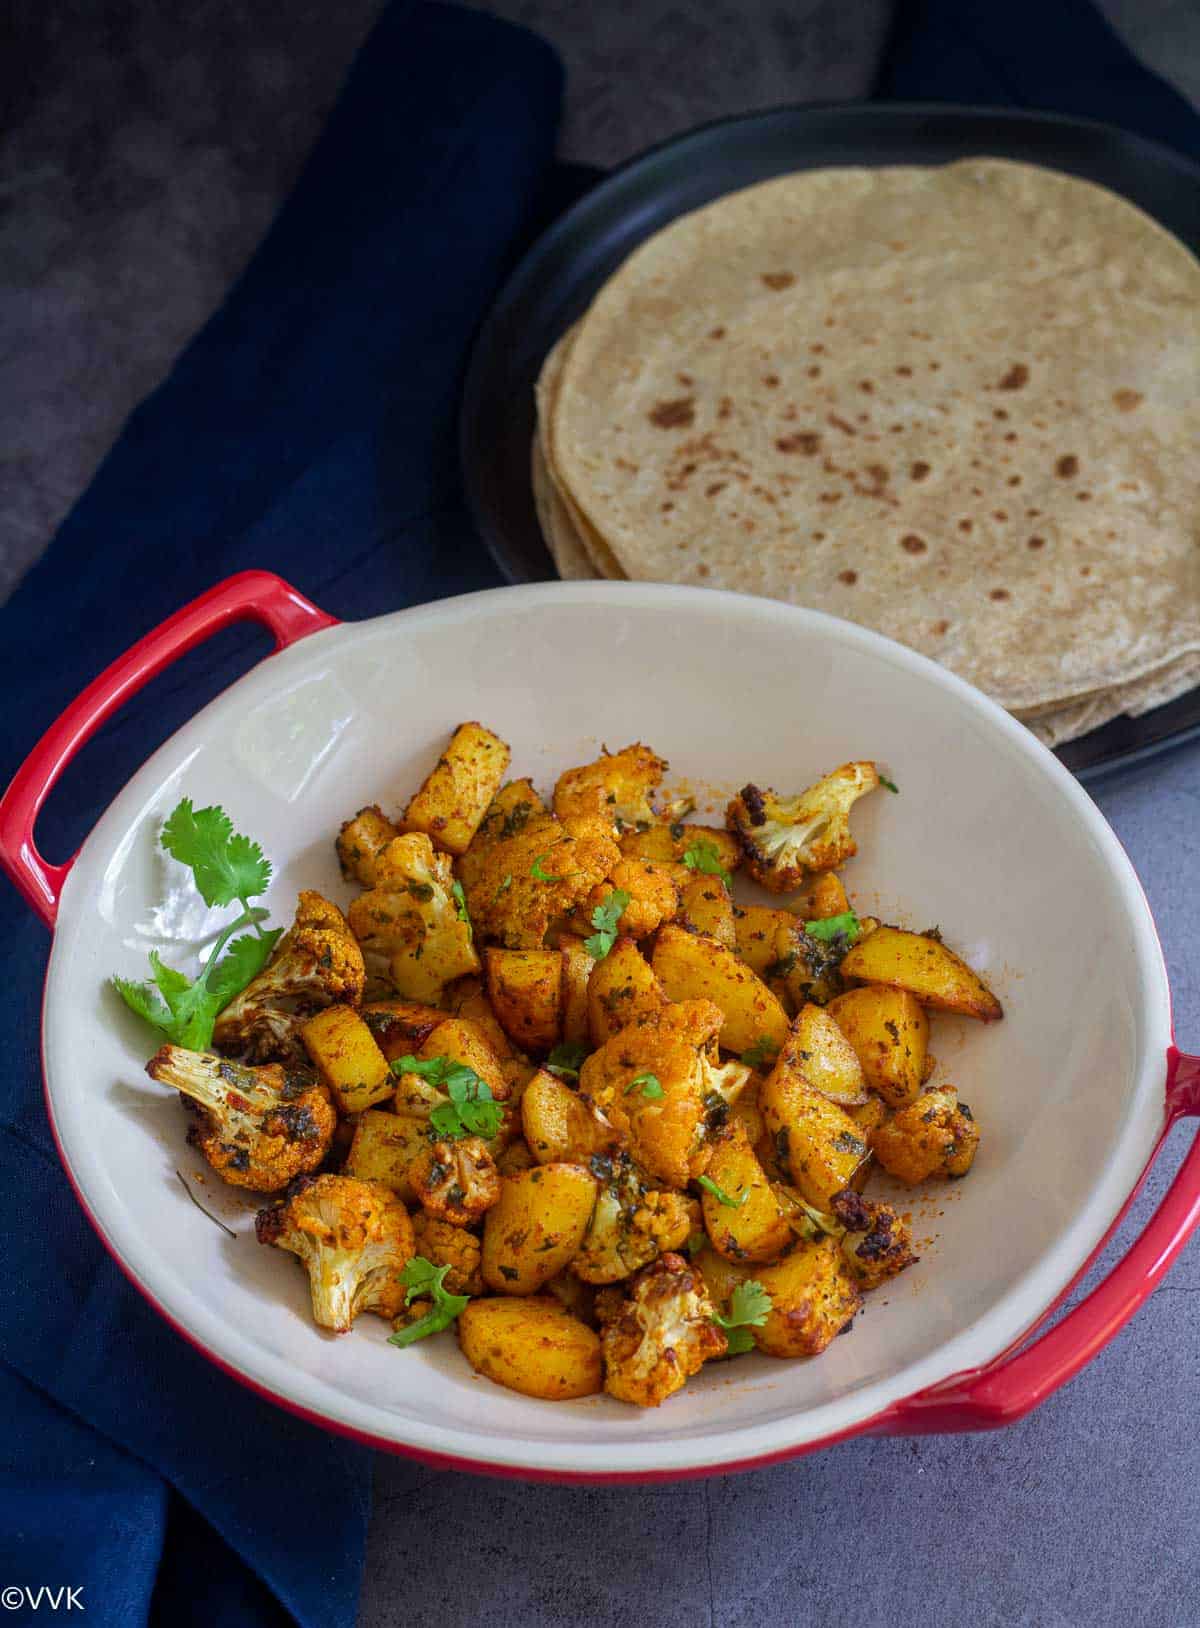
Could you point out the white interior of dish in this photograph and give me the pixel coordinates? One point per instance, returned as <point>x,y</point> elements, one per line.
<point>989,838</point>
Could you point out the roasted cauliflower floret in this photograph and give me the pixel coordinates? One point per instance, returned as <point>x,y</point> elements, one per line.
<point>785,837</point>
<point>617,786</point>
<point>631,1224</point>
<point>653,897</point>
<point>541,874</point>
<point>353,1237</point>
<point>361,841</point>
<point>456,1180</point>
<point>934,1136</point>
<point>257,1127</point>
<point>652,1081</point>
<point>448,1245</point>
<point>663,1334</point>
<point>410,925</point>
<point>317,963</point>
<point>876,1242</point>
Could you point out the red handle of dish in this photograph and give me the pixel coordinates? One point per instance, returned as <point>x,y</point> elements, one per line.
<point>255,596</point>
<point>1022,1381</point>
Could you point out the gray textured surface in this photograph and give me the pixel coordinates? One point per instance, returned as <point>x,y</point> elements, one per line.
<point>1081,1516</point>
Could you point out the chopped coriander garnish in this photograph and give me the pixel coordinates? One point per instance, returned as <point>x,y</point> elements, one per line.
<point>890,784</point>
<point>651,1086</point>
<point>605,918</point>
<point>566,1059</point>
<point>471,1110</point>
<point>695,1242</point>
<point>423,1279</point>
<point>846,926</point>
<point>719,1193</point>
<point>504,886</point>
<point>538,874</point>
<point>703,856</point>
<point>763,1051</point>
<point>460,906</point>
<point>749,1307</point>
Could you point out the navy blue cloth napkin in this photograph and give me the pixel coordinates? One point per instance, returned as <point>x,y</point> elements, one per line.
<point>309,429</point>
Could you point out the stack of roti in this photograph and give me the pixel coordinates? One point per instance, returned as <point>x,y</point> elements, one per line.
<point>958,405</point>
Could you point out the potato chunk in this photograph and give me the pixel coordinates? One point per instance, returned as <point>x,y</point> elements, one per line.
<point>690,967</point>
<point>536,1226</point>
<point>456,795</point>
<point>560,1124</point>
<point>526,991</point>
<point>385,1147</point>
<point>923,966</point>
<point>532,1345</point>
<point>348,1059</point>
<point>621,989</point>
<point>754,1227</point>
<point>813,1297</point>
<point>823,1148</point>
<point>889,1032</point>
<point>706,907</point>
<point>819,1050</point>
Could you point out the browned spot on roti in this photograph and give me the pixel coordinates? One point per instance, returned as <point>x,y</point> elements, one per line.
<point>771,380</point>
<point>966,525</point>
<point>673,415</point>
<point>716,333</point>
<point>848,577</point>
<point>1126,400</point>
<point>1083,497</point>
<point>818,536</point>
<point>999,514</point>
<point>941,627</point>
<point>717,486</point>
<point>866,386</point>
<point>807,442</point>
<point>685,379</point>
<point>1016,378</point>
<point>919,469</point>
<point>665,508</point>
<point>778,279</point>
<point>818,349</point>
<point>703,571</point>
<point>841,424</point>
<point>912,544</point>
<point>1014,480</point>
<point>904,371</point>
<point>814,372</point>
<point>1067,466</point>
<point>830,497</point>
<point>999,593</point>
<point>725,407</point>
<point>1036,543</point>
<point>998,412</point>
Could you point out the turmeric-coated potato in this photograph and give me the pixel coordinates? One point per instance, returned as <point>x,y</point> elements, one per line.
<point>828,897</point>
<point>400,1027</point>
<point>690,967</point>
<point>532,1345</point>
<point>525,988</point>
<point>756,927</point>
<point>459,789</point>
<point>889,1031</point>
<point>560,1125</point>
<point>819,1051</point>
<point>752,1227</point>
<point>925,967</point>
<point>360,842</point>
<point>621,989</point>
<point>813,1296</point>
<point>667,843</point>
<point>536,1226</point>
<point>385,1147</point>
<point>706,907</point>
<point>721,1275</point>
<point>869,1115</point>
<point>577,964</point>
<point>345,1053</point>
<point>458,1039</point>
<point>822,1147</point>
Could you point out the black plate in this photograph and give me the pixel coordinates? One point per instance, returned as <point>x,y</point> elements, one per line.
<point>558,277</point>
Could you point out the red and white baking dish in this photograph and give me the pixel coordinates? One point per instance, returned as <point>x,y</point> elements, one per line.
<point>989,837</point>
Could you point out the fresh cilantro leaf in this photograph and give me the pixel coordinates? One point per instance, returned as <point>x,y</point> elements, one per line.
<point>651,1086</point>
<point>538,874</point>
<point>471,1110</point>
<point>504,886</point>
<point>423,1279</point>
<point>225,865</point>
<point>719,1193</point>
<point>566,1059</point>
<point>704,856</point>
<point>764,1051</point>
<point>460,906</point>
<point>605,919</point>
<point>890,784</point>
<point>749,1307</point>
<point>695,1242</point>
<point>144,1000</point>
<point>846,926</point>
<point>243,960</point>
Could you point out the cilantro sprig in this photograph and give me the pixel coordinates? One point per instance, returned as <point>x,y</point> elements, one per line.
<point>828,928</point>
<point>749,1307</point>
<point>471,1110</point>
<point>424,1280</point>
<point>567,1059</point>
<point>650,1084</point>
<point>890,784</point>
<point>460,908</point>
<point>605,918</point>
<point>538,874</point>
<point>762,1053</point>
<point>704,856</point>
<point>227,868</point>
<point>719,1193</point>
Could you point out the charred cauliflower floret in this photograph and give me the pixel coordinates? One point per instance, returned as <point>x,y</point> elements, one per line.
<point>413,935</point>
<point>934,1136</point>
<point>653,897</point>
<point>542,873</point>
<point>456,1180</point>
<point>617,786</point>
<point>653,1080</point>
<point>663,1334</point>
<point>317,963</point>
<point>785,837</point>
<point>876,1242</point>
<point>353,1237</point>
<point>447,1245</point>
<point>257,1127</point>
<point>631,1224</point>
